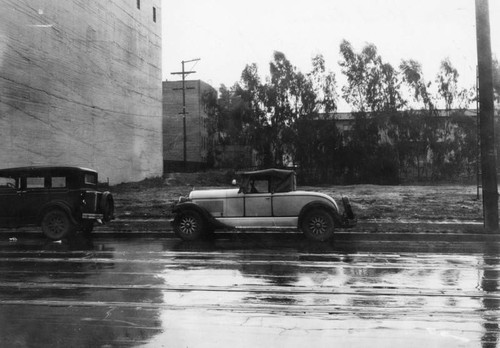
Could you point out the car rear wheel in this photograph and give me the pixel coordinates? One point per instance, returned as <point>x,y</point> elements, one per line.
<point>189,225</point>
<point>56,224</point>
<point>318,225</point>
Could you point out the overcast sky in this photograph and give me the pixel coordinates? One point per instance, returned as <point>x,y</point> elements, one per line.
<point>229,34</point>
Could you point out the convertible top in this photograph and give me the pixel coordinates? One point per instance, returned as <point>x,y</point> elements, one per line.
<point>280,173</point>
<point>280,180</point>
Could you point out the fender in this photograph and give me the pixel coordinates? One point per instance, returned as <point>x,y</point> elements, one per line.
<point>180,207</point>
<point>56,204</point>
<point>321,205</point>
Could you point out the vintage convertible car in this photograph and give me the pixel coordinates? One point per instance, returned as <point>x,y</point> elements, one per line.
<point>266,198</point>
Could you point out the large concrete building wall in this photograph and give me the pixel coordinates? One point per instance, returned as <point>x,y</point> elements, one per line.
<point>80,84</point>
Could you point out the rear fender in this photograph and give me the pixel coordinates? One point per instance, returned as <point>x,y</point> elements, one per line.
<point>56,205</point>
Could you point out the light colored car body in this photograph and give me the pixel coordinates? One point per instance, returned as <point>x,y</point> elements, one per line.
<point>238,209</point>
<point>265,198</point>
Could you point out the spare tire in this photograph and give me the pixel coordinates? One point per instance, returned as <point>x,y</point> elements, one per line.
<point>107,206</point>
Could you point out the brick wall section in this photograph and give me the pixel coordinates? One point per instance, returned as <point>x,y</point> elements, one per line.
<point>196,118</point>
<point>80,84</point>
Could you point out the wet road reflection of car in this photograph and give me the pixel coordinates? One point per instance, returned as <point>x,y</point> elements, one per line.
<point>245,291</point>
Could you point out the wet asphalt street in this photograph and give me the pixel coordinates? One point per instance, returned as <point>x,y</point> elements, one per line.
<point>250,289</point>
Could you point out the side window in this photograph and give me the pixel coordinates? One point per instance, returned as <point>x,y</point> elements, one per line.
<point>35,182</point>
<point>58,182</point>
<point>259,186</point>
<point>7,184</point>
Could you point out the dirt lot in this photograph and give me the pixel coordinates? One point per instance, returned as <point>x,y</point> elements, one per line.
<point>152,198</point>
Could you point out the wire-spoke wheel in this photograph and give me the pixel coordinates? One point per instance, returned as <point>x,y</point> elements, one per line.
<point>189,225</point>
<point>318,225</point>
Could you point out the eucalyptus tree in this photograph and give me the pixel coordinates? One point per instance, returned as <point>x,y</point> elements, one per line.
<point>447,81</point>
<point>372,85</point>
<point>414,79</point>
<point>276,106</point>
<point>496,80</point>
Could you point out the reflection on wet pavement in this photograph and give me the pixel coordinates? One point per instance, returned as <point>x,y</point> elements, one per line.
<point>238,292</point>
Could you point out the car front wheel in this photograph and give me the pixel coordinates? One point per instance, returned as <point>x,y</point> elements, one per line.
<point>56,224</point>
<point>189,225</point>
<point>318,225</point>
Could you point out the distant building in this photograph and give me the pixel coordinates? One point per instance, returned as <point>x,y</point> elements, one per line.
<point>80,85</point>
<point>185,151</point>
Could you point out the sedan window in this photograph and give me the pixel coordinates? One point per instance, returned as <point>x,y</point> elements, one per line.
<point>90,179</point>
<point>7,183</point>
<point>58,181</point>
<point>35,182</point>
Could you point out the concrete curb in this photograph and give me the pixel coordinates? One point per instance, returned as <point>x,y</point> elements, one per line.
<point>362,226</point>
<point>368,229</point>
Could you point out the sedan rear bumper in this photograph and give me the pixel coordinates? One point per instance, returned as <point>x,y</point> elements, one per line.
<point>92,216</point>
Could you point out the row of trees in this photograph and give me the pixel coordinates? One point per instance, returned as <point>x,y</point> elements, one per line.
<point>396,131</point>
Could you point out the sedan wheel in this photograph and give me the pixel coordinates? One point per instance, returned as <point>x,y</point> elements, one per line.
<point>189,225</point>
<point>318,225</point>
<point>56,224</point>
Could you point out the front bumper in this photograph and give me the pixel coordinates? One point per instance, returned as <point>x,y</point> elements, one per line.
<point>348,217</point>
<point>347,223</point>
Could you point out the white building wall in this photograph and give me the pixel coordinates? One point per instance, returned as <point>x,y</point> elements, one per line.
<point>80,84</point>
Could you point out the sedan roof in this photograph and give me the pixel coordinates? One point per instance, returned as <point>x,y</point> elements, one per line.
<point>44,169</point>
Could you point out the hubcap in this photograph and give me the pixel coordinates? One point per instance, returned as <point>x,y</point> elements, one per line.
<point>188,225</point>
<point>318,225</point>
<point>56,225</point>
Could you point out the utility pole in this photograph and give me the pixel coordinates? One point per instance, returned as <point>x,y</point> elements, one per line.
<point>184,113</point>
<point>486,116</point>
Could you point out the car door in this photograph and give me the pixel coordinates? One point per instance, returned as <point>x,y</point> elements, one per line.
<point>35,194</point>
<point>258,202</point>
<point>10,200</point>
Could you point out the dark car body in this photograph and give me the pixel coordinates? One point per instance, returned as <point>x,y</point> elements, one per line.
<point>59,199</point>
